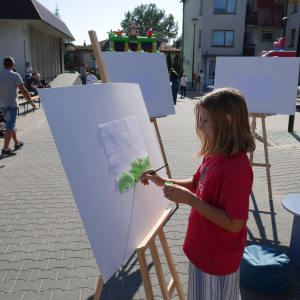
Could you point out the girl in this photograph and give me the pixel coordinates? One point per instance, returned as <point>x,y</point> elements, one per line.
<point>27,71</point>
<point>183,84</point>
<point>218,194</point>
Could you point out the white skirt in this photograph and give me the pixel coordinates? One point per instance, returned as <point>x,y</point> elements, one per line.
<point>203,286</point>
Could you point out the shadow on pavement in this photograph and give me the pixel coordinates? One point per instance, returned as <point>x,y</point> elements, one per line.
<point>125,282</point>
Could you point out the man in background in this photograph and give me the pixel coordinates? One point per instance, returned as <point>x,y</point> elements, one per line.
<point>83,73</point>
<point>30,85</point>
<point>9,82</point>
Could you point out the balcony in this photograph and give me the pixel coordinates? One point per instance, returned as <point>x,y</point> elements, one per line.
<point>249,50</point>
<point>251,18</point>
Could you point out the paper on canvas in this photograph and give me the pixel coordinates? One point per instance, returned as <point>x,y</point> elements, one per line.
<point>126,150</point>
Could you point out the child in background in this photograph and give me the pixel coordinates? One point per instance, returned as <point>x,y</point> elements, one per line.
<point>218,194</point>
<point>183,83</point>
<point>28,71</point>
<point>91,78</point>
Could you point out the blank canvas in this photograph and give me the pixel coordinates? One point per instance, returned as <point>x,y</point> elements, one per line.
<point>115,223</point>
<point>269,84</point>
<point>150,71</point>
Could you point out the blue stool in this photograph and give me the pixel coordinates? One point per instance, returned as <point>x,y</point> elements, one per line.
<point>265,270</point>
<point>292,204</point>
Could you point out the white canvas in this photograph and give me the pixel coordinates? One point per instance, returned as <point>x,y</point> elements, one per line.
<point>269,84</point>
<point>115,223</point>
<point>150,71</point>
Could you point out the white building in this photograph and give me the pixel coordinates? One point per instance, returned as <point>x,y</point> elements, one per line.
<point>228,28</point>
<point>29,32</point>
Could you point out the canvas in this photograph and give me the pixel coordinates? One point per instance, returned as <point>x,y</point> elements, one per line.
<point>269,84</point>
<point>115,223</point>
<point>150,71</point>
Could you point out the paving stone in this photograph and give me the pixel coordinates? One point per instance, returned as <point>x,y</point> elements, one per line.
<point>38,296</point>
<point>33,286</point>
<point>55,285</point>
<point>16,296</point>
<point>73,295</point>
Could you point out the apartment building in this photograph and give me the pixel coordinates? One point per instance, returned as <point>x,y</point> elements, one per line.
<point>232,28</point>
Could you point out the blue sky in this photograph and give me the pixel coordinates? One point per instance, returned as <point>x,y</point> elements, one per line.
<point>102,16</point>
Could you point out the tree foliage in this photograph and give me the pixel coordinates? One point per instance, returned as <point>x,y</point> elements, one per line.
<point>56,11</point>
<point>67,52</point>
<point>176,63</point>
<point>169,61</point>
<point>149,16</point>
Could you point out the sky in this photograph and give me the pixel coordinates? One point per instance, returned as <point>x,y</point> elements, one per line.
<point>102,16</point>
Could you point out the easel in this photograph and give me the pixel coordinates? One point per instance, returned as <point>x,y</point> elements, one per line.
<point>149,241</point>
<point>266,165</point>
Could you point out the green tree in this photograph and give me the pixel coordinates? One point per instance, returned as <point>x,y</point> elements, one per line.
<point>67,51</point>
<point>176,63</point>
<point>149,16</point>
<point>169,61</point>
<point>56,11</point>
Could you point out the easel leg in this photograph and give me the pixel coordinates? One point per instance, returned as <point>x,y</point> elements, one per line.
<point>253,127</point>
<point>161,146</point>
<point>99,288</point>
<point>176,282</point>
<point>145,275</point>
<point>266,157</point>
<point>159,271</point>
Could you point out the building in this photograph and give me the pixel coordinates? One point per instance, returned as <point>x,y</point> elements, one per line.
<point>230,28</point>
<point>29,32</point>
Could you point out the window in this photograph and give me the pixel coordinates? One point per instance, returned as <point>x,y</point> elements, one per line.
<point>295,9</point>
<point>201,8</point>
<point>224,6</point>
<point>267,36</point>
<point>222,38</point>
<point>199,41</point>
<point>293,34</point>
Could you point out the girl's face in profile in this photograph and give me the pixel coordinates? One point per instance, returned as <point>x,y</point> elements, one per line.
<point>206,125</point>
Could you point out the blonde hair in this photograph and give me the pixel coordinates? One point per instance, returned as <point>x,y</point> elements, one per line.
<point>229,139</point>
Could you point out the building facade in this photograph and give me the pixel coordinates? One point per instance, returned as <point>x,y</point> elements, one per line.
<point>29,32</point>
<point>232,28</point>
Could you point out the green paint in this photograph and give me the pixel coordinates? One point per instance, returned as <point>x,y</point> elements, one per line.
<point>169,183</point>
<point>138,166</point>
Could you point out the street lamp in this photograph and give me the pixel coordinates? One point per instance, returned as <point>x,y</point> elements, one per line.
<point>194,20</point>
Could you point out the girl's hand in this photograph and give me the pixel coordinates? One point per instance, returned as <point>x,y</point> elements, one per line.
<point>156,178</point>
<point>178,194</point>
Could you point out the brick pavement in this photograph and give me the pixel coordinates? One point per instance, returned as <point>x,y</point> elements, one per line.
<point>45,253</point>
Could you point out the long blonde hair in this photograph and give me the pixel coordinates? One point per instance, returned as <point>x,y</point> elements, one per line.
<point>229,139</point>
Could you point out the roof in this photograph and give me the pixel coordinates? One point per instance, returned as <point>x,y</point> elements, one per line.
<point>32,10</point>
<point>104,45</point>
<point>164,47</point>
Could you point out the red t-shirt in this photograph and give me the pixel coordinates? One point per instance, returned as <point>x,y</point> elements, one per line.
<point>224,182</point>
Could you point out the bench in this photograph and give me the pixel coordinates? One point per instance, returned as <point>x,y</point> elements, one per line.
<point>25,102</point>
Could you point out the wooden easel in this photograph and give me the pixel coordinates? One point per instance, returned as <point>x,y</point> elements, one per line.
<point>149,241</point>
<point>266,165</point>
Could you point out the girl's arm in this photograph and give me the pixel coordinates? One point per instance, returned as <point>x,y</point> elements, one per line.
<point>214,214</point>
<point>160,181</point>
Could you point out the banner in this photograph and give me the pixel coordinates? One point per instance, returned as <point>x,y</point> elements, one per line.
<point>295,2</point>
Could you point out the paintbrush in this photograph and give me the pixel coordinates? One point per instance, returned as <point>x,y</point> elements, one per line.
<point>153,172</point>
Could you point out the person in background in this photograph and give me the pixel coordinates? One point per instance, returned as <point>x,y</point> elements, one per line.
<point>28,71</point>
<point>37,81</point>
<point>83,73</point>
<point>30,86</point>
<point>92,78</point>
<point>201,81</point>
<point>9,82</point>
<point>198,84</point>
<point>175,83</point>
<point>183,84</point>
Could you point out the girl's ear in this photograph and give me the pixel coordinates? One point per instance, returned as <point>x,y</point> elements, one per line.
<point>229,118</point>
